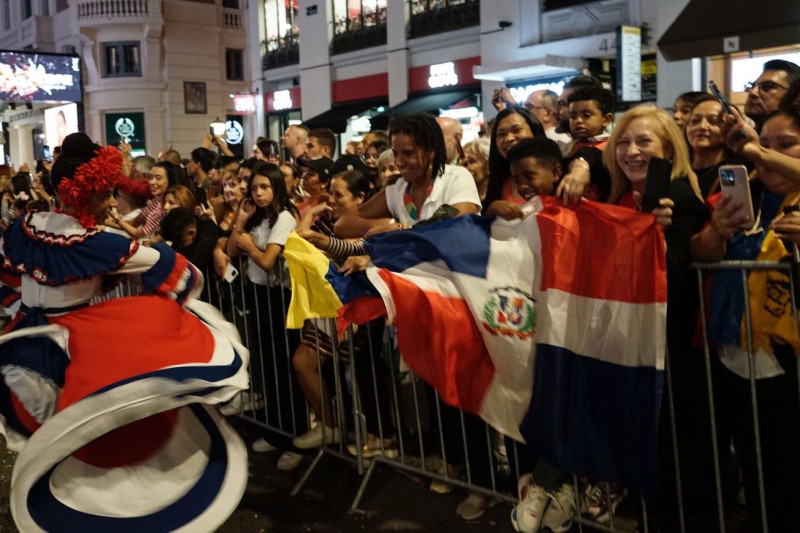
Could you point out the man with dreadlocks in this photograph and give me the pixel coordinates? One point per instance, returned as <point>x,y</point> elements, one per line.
<point>110,404</point>
<point>427,183</point>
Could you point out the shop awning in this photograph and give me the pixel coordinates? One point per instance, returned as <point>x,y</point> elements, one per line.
<point>336,118</point>
<point>708,28</point>
<point>428,103</point>
<point>432,102</point>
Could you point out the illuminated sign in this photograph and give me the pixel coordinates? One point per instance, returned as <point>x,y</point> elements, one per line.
<point>282,100</point>
<point>35,77</point>
<point>442,74</point>
<point>234,132</point>
<point>244,104</point>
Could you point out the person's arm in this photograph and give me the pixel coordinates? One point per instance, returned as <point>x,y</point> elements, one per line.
<point>308,219</point>
<point>243,213</point>
<point>264,259</point>
<point>743,140</point>
<point>221,259</point>
<point>135,230</point>
<point>688,214</point>
<point>357,223</point>
<point>710,245</point>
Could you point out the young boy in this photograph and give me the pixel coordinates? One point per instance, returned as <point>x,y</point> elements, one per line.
<point>591,111</point>
<point>536,167</point>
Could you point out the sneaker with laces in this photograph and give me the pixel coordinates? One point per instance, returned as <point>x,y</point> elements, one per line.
<point>374,448</point>
<point>602,500</point>
<point>288,461</point>
<point>526,517</point>
<point>262,446</point>
<point>314,437</point>
<point>472,508</point>
<point>558,516</point>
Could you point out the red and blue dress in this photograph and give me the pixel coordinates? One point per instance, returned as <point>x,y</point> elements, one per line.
<point>110,404</point>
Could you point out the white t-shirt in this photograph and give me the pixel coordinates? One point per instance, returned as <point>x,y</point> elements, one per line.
<point>455,186</point>
<point>264,235</point>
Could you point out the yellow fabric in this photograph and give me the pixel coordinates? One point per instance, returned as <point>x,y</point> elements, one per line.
<point>771,298</point>
<point>312,295</point>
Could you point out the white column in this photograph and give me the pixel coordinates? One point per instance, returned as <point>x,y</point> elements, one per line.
<point>22,145</point>
<point>315,66</point>
<point>674,77</point>
<point>397,45</point>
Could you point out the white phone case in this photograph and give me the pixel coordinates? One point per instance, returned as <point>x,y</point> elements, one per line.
<point>735,184</point>
<point>230,273</point>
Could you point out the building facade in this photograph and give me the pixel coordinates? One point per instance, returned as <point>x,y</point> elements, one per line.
<point>154,73</point>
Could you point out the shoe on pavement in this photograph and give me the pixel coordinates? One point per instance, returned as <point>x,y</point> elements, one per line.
<point>527,516</point>
<point>442,487</point>
<point>603,499</point>
<point>288,461</point>
<point>374,448</point>
<point>314,437</point>
<point>558,516</point>
<point>262,446</point>
<point>472,508</point>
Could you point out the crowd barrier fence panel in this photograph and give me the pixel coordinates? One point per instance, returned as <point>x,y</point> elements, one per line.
<point>418,418</point>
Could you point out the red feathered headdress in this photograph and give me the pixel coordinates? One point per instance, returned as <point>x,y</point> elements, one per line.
<point>97,176</point>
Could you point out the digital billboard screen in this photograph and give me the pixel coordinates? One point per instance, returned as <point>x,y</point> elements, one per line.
<point>35,77</point>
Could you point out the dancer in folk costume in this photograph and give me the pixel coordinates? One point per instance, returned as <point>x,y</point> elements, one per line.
<point>110,405</point>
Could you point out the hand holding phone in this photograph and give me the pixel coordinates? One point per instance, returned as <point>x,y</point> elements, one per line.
<point>735,185</point>
<point>720,97</point>
<point>230,273</point>
<point>656,186</point>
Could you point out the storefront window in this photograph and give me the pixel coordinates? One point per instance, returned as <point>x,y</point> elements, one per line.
<point>436,16</point>
<point>280,23</point>
<point>358,24</point>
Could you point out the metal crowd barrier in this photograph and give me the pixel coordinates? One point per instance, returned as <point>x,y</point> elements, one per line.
<point>422,428</point>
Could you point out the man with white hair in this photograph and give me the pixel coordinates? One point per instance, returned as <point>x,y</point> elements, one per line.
<point>452,131</point>
<point>544,106</point>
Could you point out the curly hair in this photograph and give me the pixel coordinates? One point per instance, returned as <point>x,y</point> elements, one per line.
<point>427,135</point>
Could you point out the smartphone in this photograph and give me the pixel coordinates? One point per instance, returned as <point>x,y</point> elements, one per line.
<point>656,185</point>
<point>719,96</point>
<point>230,273</point>
<point>200,195</point>
<point>46,153</point>
<point>735,184</point>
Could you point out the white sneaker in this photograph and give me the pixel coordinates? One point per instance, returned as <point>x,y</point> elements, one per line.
<point>526,517</point>
<point>558,516</point>
<point>242,402</point>
<point>472,508</point>
<point>288,461</point>
<point>262,446</point>
<point>313,438</point>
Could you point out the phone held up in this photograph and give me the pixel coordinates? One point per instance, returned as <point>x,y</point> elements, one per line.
<point>230,273</point>
<point>735,185</point>
<point>720,97</point>
<point>656,185</point>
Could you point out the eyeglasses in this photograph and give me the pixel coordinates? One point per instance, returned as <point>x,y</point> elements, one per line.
<point>530,107</point>
<point>764,86</point>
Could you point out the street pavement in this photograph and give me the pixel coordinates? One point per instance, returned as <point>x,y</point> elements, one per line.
<point>392,501</point>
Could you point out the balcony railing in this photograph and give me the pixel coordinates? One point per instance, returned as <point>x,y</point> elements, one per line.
<point>108,9</point>
<point>358,38</point>
<point>280,53</point>
<point>445,16</point>
<point>232,18</point>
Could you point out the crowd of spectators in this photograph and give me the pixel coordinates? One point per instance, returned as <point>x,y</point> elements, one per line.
<point>234,216</point>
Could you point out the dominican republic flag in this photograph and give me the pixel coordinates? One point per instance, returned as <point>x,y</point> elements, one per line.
<point>552,329</point>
